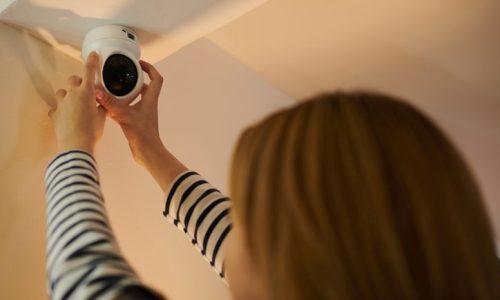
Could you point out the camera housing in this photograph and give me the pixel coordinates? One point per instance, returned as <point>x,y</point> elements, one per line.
<point>119,72</point>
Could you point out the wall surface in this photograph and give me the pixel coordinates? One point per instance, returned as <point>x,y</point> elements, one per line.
<point>208,97</point>
<point>31,72</point>
<point>441,55</point>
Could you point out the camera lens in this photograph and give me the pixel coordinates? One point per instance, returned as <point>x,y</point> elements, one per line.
<point>119,74</point>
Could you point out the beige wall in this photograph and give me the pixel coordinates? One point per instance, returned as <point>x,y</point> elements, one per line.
<point>207,99</point>
<point>441,55</point>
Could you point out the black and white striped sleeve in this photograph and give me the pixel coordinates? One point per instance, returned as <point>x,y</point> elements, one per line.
<point>83,258</point>
<point>202,212</point>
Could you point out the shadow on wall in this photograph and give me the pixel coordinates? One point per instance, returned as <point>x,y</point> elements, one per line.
<point>32,137</point>
<point>30,74</point>
<point>26,54</point>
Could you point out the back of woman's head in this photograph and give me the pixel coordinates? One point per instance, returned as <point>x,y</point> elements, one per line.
<point>359,196</point>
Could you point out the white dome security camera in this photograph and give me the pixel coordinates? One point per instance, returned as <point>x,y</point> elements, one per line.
<point>119,73</point>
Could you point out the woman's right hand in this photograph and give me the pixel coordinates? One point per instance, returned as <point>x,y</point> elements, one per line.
<point>139,122</point>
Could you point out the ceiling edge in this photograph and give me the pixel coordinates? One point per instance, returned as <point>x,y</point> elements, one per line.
<point>4,4</point>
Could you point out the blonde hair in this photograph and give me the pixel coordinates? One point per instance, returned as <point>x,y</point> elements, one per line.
<point>360,196</point>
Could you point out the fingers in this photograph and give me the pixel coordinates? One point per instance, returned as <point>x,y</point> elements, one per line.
<point>154,76</point>
<point>91,68</point>
<point>60,94</point>
<point>144,88</point>
<point>74,81</point>
<point>109,102</point>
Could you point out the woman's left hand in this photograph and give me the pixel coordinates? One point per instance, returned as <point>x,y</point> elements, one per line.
<point>78,121</point>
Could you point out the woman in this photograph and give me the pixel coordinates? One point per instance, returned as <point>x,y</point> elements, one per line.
<point>345,196</point>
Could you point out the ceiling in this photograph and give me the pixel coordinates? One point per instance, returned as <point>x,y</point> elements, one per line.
<point>163,26</point>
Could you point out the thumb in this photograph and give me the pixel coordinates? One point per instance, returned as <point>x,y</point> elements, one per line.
<point>101,111</point>
<point>108,102</point>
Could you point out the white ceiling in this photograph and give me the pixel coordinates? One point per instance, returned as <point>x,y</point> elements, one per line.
<point>163,26</point>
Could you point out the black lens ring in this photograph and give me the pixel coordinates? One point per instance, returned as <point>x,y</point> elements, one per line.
<point>119,75</point>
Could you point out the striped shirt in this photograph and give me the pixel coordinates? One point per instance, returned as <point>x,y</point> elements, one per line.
<point>83,257</point>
